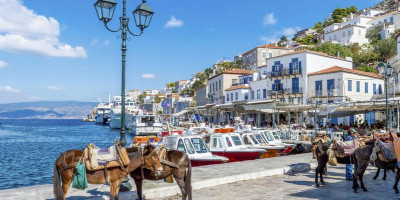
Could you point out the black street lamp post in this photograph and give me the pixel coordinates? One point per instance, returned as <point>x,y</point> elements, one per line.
<point>142,15</point>
<point>386,71</point>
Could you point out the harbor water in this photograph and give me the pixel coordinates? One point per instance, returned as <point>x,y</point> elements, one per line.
<point>29,147</point>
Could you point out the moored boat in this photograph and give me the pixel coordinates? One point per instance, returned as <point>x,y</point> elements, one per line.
<point>255,140</point>
<point>272,138</point>
<point>194,147</point>
<point>230,145</point>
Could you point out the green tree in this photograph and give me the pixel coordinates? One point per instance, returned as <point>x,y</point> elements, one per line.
<point>319,27</point>
<point>366,68</point>
<point>334,49</point>
<point>385,49</point>
<point>373,35</point>
<point>141,97</point>
<point>283,39</point>
<point>308,40</point>
<point>157,99</point>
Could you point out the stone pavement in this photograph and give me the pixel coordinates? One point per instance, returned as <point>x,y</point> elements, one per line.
<point>202,177</point>
<point>297,186</point>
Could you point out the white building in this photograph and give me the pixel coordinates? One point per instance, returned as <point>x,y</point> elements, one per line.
<point>352,30</point>
<point>287,74</point>
<point>386,23</point>
<point>256,57</point>
<point>239,93</point>
<point>222,81</point>
<point>338,85</point>
<point>151,92</point>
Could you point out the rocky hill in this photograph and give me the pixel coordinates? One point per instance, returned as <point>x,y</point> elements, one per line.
<point>46,110</point>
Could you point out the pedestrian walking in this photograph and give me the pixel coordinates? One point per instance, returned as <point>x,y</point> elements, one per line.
<point>349,167</point>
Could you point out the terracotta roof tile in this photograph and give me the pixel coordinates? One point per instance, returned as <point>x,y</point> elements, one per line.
<point>238,87</point>
<point>271,46</point>
<point>342,69</point>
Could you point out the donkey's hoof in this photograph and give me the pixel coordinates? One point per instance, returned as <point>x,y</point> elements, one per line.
<point>323,183</point>
<point>365,190</point>
<point>374,178</point>
<point>396,191</point>
<point>317,185</point>
<point>384,179</point>
<point>355,191</point>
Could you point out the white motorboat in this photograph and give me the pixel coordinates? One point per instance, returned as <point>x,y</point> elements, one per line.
<point>272,138</point>
<point>255,140</point>
<point>195,148</point>
<point>115,113</point>
<point>143,124</point>
<point>230,145</point>
<point>102,113</point>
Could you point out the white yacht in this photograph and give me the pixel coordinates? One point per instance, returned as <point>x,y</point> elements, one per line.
<point>102,113</point>
<point>143,124</point>
<point>115,114</point>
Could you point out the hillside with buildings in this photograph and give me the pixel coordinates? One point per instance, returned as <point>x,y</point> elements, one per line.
<point>311,77</point>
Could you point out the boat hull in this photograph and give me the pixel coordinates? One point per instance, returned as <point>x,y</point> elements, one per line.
<point>287,150</point>
<point>235,156</point>
<point>202,162</point>
<point>271,153</point>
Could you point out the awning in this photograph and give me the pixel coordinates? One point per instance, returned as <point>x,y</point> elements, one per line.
<point>260,105</point>
<point>201,108</point>
<point>180,113</point>
<point>222,106</point>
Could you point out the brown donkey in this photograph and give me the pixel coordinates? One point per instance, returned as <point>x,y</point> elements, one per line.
<point>64,168</point>
<point>178,164</point>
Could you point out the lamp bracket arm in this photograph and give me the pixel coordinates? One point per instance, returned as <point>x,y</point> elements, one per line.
<point>129,30</point>
<point>108,28</point>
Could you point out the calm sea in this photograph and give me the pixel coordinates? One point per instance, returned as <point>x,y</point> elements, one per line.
<point>29,148</point>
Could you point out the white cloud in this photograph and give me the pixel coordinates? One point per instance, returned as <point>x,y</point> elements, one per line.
<point>3,64</point>
<point>173,22</point>
<point>53,88</point>
<point>272,39</point>
<point>94,42</point>
<point>148,76</point>
<point>9,89</point>
<point>269,19</point>
<point>107,42</point>
<point>290,31</point>
<point>23,30</point>
<point>275,37</point>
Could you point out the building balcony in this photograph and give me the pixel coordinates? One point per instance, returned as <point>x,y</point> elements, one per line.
<point>276,73</point>
<point>293,90</point>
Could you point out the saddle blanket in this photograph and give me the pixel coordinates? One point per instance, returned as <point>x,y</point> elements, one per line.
<point>107,154</point>
<point>349,146</point>
<point>388,150</point>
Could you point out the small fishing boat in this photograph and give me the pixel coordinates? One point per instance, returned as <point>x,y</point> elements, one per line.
<point>272,138</point>
<point>230,145</point>
<point>255,140</point>
<point>194,147</point>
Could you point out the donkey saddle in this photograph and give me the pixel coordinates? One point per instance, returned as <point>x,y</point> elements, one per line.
<point>97,159</point>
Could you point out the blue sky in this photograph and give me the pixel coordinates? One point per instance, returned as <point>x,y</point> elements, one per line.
<point>59,50</point>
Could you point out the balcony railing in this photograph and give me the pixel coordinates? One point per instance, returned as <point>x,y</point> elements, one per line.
<point>324,93</point>
<point>276,73</point>
<point>294,90</point>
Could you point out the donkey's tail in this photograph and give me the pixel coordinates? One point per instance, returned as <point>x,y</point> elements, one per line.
<point>188,181</point>
<point>57,190</point>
